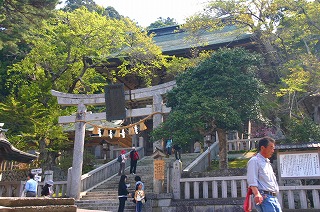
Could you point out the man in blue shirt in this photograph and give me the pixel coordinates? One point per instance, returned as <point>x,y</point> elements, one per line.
<point>261,178</point>
<point>31,186</point>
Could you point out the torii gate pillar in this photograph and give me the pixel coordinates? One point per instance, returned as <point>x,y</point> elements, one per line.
<point>75,181</point>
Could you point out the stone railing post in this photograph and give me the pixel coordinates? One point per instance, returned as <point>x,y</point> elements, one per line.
<point>69,179</point>
<point>48,175</point>
<point>176,176</point>
<point>111,148</point>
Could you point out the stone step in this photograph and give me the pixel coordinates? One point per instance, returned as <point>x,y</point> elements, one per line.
<point>110,205</point>
<point>29,204</point>
<point>51,208</point>
<point>104,197</point>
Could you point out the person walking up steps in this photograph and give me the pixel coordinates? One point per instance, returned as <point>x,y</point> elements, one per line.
<point>261,178</point>
<point>122,163</point>
<point>134,157</point>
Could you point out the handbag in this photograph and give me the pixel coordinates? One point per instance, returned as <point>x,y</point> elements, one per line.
<point>143,201</point>
<point>247,202</point>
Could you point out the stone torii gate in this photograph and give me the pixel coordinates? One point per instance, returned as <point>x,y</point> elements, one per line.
<point>81,100</point>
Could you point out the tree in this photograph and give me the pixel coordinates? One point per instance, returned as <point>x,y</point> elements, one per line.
<point>161,22</point>
<point>222,93</point>
<point>112,13</point>
<point>287,35</point>
<point>72,5</point>
<point>63,56</point>
<point>16,18</point>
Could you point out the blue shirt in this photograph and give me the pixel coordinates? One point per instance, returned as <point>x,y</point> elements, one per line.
<point>31,185</point>
<point>260,174</point>
<point>169,143</point>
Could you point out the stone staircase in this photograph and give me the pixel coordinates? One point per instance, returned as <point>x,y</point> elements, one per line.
<point>104,196</point>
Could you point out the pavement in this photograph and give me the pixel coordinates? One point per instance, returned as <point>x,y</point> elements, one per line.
<point>85,210</point>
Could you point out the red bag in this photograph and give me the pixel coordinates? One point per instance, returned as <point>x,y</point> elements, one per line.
<point>136,156</point>
<point>247,202</point>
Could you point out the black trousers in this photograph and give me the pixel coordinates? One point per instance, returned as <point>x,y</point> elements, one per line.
<point>133,166</point>
<point>122,203</point>
<point>177,153</point>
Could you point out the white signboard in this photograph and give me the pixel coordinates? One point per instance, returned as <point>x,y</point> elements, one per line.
<point>37,178</point>
<point>299,165</point>
<point>36,171</point>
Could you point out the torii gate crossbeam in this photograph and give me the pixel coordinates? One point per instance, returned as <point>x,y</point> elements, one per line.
<point>81,100</point>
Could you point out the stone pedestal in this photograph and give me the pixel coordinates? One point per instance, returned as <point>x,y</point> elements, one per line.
<point>176,175</point>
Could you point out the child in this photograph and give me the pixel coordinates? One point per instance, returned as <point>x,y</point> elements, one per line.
<point>139,197</point>
<point>47,189</point>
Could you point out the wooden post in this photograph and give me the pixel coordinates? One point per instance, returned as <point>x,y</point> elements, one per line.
<point>78,152</point>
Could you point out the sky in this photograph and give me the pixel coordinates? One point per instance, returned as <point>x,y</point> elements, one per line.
<point>146,12</point>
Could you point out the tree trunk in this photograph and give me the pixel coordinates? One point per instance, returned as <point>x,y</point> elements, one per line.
<point>223,149</point>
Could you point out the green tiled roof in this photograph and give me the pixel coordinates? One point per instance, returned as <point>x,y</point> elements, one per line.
<point>172,40</point>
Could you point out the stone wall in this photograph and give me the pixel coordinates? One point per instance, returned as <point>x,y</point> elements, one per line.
<point>21,175</point>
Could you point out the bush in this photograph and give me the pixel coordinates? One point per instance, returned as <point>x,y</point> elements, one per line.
<point>301,131</point>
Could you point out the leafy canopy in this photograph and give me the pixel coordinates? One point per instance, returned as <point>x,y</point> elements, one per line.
<point>221,92</point>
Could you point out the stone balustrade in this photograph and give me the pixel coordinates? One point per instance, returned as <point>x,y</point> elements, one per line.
<point>202,162</point>
<point>15,188</point>
<point>97,176</point>
<point>307,197</point>
<point>213,187</point>
<point>243,144</point>
<point>236,186</point>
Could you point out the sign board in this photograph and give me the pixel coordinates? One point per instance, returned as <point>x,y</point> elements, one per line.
<point>158,169</point>
<point>37,178</point>
<point>115,102</point>
<point>304,164</point>
<point>36,171</point>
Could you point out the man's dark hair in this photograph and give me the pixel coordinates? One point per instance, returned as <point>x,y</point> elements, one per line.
<point>137,178</point>
<point>31,175</point>
<point>264,142</point>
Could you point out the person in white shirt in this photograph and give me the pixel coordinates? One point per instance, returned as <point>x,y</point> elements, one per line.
<point>123,163</point>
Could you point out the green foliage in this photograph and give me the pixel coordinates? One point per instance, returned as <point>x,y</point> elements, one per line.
<point>162,22</point>
<point>88,161</point>
<point>72,5</point>
<point>221,92</point>
<point>288,33</point>
<point>16,18</point>
<point>302,131</point>
<point>65,51</point>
